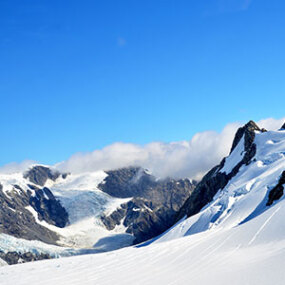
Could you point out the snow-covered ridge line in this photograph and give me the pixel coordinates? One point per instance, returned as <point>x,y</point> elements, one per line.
<point>245,196</point>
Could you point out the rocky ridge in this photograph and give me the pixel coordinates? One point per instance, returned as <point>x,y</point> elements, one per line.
<point>154,204</point>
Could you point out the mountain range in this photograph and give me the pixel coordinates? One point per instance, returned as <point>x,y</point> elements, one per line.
<point>226,228</point>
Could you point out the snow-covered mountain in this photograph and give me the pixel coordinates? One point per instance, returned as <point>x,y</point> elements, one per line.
<point>252,187</point>
<point>230,230</point>
<point>81,213</point>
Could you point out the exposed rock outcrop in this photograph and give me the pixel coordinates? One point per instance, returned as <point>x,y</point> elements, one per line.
<point>40,174</point>
<point>277,192</point>
<point>13,257</point>
<point>48,208</point>
<point>127,182</point>
<point>248,131</point>
<point>18,221</point>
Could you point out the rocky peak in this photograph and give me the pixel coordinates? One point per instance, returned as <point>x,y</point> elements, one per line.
<point>248,131</point>
<point>283,126</point>
<point>40,174</point>
<point>216,179</point>
<point>127,182</point>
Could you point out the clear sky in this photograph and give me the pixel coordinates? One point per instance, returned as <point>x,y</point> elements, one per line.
<point>79,75</point>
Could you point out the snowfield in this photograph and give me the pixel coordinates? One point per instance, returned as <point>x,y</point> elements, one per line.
<point>235,239</point>
<point>253,253</point>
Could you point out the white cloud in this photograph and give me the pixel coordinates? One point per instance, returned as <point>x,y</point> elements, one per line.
<point>176,159</point>
<point>15,167</point>
<point>271,123</point>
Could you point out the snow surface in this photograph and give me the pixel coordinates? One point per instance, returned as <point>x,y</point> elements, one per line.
<point>236,239</point>
<point>235,157</point>
<point>9,180</point>
<point>227,256</point>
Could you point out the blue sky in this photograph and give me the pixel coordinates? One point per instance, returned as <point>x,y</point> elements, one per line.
<point>77,76</point>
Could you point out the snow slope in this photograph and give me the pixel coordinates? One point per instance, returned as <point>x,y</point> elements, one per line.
<point>236,239</point>
<point>249,254</point>
<point>245,196</point>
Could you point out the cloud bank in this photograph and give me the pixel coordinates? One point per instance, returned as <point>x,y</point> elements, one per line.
<point>176,159</point>
<point>182,159</point>
<point>15,167</point>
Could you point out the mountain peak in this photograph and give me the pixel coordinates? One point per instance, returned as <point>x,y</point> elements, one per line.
<point>283,126</point>
<point>251,125</point>
<point>39,174</point>
<point>247,130</point>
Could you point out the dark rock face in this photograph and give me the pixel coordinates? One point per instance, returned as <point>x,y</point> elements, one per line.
<point>13,257</point>
<point>154,205</point>
<point>49,209</point>
<point>277,192</point>
<point>127,182</point>
<point>40,174</point>
<point>283,127</point>
<point>215,180</point>
<point>17,221</point>
<point>248,131</point>
<point>142,218</point>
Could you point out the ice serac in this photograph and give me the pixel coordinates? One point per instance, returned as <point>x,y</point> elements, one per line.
<point>242,151</point>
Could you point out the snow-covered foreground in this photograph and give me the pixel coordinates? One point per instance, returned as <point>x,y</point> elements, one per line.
<point>236,239</point>
<point>253,253</point>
